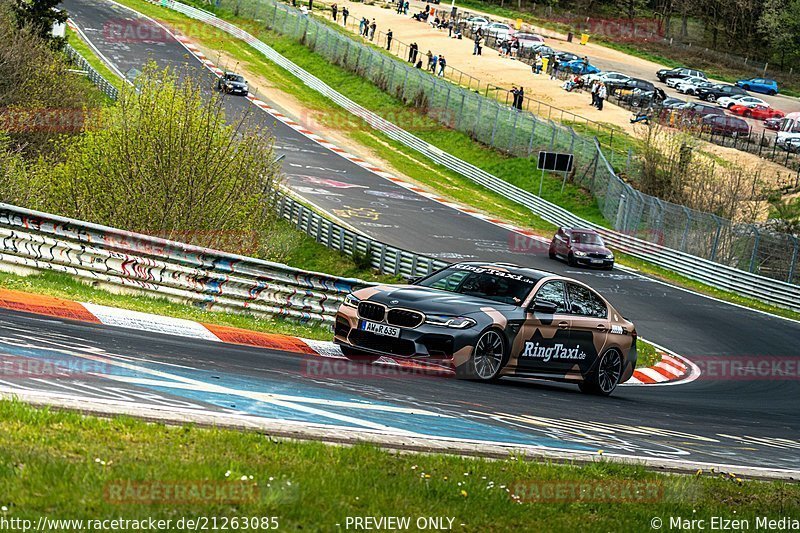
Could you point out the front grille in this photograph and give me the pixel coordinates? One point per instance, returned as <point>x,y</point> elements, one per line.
<point>379,343</point>
<point>371,311</point>
<point>597,255</point>
<point>404,319</point>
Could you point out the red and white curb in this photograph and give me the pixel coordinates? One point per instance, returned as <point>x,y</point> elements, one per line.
<point>672,369</point>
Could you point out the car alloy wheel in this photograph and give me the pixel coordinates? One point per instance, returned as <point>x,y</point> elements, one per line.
<point>609,372</point>
<point>487,358</point>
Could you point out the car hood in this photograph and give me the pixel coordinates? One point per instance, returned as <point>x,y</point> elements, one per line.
<point>430,301</point>
<point>593,248</point>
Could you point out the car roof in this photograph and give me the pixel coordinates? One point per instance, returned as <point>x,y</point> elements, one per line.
<point>528,272</point>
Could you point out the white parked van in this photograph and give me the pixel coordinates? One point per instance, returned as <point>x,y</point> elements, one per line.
<point>789,132</point>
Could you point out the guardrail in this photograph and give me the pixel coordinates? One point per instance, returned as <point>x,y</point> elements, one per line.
<point>715,274</point>
<point>103,84</point>
<point>207,278</point>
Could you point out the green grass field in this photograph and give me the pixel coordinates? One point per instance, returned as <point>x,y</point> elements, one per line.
<point>68,466</point>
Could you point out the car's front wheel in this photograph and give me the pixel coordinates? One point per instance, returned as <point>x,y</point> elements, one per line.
<point>488,357</point>
<point>606,378</point>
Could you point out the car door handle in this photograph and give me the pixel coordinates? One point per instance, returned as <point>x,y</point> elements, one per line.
<point>601,327</point>
<point>563,325</point>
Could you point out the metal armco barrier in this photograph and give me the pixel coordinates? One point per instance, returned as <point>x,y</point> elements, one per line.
<point>96,78</point>
<point>714,274</point>
<point>207,278</point>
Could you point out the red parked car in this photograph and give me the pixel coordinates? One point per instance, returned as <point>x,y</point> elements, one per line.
<point>759,112</point>
<point>581,247</point>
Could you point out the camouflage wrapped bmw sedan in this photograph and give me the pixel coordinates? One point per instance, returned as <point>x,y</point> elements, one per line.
<point>489,320</point>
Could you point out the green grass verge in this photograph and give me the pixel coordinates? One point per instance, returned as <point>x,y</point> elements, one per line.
<point>68,466</point>
<point>86,51</point>
<point>520,171</point>
<point>646,354</point>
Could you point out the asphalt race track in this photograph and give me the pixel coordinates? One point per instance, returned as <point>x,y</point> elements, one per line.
<point>736,421</point>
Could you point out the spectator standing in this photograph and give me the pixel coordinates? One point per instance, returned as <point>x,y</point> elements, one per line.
<point>416,53</point>
<point>430,59</point>
<point>411,53</point>
<point>310,5</point>
<point>521,98</point>
<point>335,11</point>
<point>514,96</point>
<point>405,8</point>
<point>602,93</point>
<point>345,14</point>
<point>434,63</point>
<point>400,4</point>
<point>554,70</point>
<point>361,24</point>
<point>450,25</point>
<point>593,90</point>
<point>372,28</point>
<point>442,65</point>
<point>389,40</point>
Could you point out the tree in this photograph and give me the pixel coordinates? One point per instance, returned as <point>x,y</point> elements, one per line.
<point>40,15</point>
<point>780,26</point>
<point>166,161</point>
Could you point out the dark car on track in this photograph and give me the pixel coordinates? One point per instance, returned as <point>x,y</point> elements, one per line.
<point>489,320</point>
<point>582,247</point>
<point>711,94</point>
<point>232,83</point>
<point>725,126</point>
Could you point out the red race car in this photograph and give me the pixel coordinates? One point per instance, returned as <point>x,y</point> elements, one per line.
<point>760,112</point>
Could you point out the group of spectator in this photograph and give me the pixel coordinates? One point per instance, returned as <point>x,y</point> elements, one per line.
<point>366,28</point>
<point>518,94</point>
<point>508,48</point>
<point>402,7</point>
<point>599,93</point>
<point>335,13</point>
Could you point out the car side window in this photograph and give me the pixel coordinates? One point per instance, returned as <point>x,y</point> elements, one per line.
<point>584,302</point>
<point>451,282</point>
<point>553,292</point>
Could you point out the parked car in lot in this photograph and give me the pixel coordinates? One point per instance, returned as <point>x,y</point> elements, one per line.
<point>528,40</point>
<point>712,94</point>
<point>232,83</point>
<point>759,85</point>
<point>680,72</point>
<point>691,85</point>
<point>581,247</point>
<point>580,67</point>
<point>477,22</point>
<point>674,81</point>
<point>773,123</point>
<point>498,30</point>
<point>789,131</point>
<point>565,57</point>
<point>792,145</point>
<point>758,112</point>
<point>725,125</point>
<point>698,110</point>
<point>673,103</point>
<point>739,99</point>
<point>610,78</point>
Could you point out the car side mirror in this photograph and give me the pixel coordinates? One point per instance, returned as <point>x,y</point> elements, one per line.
<point>543,306</point>
<point>412,281</point>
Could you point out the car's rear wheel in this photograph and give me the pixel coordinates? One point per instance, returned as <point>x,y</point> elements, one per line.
<point>606,378</point>
<point>488,357</point>
<point>711,98</point>
<point>771,92</point>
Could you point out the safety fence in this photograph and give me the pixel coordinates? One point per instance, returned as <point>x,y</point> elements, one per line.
<point>103,84</point>
<point>726,255</point>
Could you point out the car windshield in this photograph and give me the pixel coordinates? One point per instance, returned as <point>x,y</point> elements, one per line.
<point>235,77</point>
<point>587,238</point>
<point>483,282</point>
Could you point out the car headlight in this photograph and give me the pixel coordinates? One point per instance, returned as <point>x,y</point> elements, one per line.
<point>579,253</point>
<point>351,301</point>
<point>458,322</point>
<point>610,256</point>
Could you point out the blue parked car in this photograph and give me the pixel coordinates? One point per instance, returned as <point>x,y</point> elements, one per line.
<point>759,85</point>
<point>579,66</point>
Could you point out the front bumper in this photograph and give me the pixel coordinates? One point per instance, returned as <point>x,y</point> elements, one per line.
<point>595,262</point>
<point>424,341</point>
